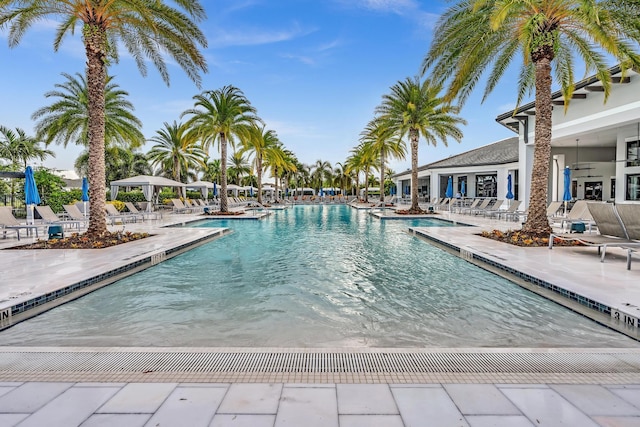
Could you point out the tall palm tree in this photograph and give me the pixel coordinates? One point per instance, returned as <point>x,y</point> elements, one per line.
<point>416,109</point>
<point>67,118</point>
<point>263,144</point>
<point>354,165</point>
<point>176,151</point>
<point>222,116</point>
<point>147,29</point>
<point>379,141</point>
<point>474,35</point>
<point>343,177</point>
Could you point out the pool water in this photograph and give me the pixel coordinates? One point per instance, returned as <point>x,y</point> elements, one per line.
<point>314,276</point>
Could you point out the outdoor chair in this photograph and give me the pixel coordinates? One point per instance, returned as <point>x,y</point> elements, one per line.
<point>474,204</point>
<point>114,215</point>
<point>9,222</point>
<point>49,217</point>
<point>74,213</point>
<point>141,214</point>
<point>552,209</point>
<point>479,206</point>
<point>579,213</point>
<point>513,207</point>
<point>179,207</point>
<point>612,230</point>
<point>487,207</point>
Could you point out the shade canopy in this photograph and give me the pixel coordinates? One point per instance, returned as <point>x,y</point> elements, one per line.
<point>509,188</point>
<point>203,186</point>
<point>148,184</point>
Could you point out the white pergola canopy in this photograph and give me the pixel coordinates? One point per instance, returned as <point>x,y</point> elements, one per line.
<point>148,184</point>
<point>203,186</point>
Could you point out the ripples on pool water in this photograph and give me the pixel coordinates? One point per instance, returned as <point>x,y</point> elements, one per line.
<point>314,276</point>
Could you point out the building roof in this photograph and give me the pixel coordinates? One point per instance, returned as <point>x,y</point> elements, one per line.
<point>497,153</point>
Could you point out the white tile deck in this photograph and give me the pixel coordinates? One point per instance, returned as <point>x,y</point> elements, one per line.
<point>311,400</point>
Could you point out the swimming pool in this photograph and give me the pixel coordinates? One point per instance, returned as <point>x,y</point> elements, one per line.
<point>314,276</point>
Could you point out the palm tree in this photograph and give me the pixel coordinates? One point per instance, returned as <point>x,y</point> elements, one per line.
<point>354,165</point>
<point>263,144</point>
<point>379,141</point>
<point>176,151</point>
<point>211,170</point>
<point>322,171</point>
<point>416,108</point>
<point>343,177</point>
<point>67,119</point>
<point>120,163</point>
<point>474,35</point>
<point>239,168</point>
<point>19,148</point>
<point>222,115</point>
<point>147,29</point>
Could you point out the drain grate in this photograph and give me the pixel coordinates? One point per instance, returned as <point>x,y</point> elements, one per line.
<point>371,362</point>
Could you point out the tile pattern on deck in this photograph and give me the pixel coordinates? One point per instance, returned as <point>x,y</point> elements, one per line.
<point>309,405</point>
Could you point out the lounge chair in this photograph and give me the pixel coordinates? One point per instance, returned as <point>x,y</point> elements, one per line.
<point>50,217</point>
<point>613,232</point>
<point>114,215</point>
<point>144,215</point>
<point>483,203</point>
<point>74,213</point>
<point>513,207</point>
<point>9,222</point>
<point>578,213</point>
<point>553,208</point>
<point>491,207</point>
<point>179,207</point>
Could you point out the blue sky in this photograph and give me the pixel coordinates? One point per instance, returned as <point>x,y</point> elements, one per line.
<point>314,69</point>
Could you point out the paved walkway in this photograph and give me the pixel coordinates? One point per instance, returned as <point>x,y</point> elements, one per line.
<point>568,397</point>
<point>56,404</point>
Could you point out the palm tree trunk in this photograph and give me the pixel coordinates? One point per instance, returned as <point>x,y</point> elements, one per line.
<point>224,203</point>
<point>259,173</point>
<point>413,137</point>
<point>95,46</point>
<point>382,176</point>
<point>537,221</point>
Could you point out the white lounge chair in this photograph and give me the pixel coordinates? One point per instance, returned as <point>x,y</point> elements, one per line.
<point>9,222</point>
<point>114,215</point>
<point>143,215</point>
<point>49,217</point>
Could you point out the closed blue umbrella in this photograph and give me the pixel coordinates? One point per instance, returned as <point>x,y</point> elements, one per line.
<point>566,197</point>
<point>85,194</point>
<point>251,191</point>
<point>449,192</point>
<point>215,189</point>
<point>463,188</point>
<point>31,196</point>
<point>509,188</point>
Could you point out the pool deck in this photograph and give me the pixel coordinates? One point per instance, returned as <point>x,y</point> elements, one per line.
<point>62,386</point>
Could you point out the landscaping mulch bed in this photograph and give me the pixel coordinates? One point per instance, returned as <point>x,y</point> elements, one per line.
<point>518,238</point>
<point>82,241</point>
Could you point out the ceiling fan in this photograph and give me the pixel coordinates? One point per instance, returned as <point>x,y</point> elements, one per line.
<point>577,165</point>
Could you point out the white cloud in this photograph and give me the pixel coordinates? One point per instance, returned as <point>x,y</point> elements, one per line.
<point>253,37</point>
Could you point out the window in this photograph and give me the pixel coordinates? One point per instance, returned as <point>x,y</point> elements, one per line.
<point>486,185</point>
<point>593,190</point>
<point>633,187</point>
<point>633,153</point>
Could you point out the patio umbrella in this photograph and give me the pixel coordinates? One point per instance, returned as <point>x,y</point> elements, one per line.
<point>215,189</point>
<point>509,195</point>
<point>567,188</point>
<point>85,193</point>
<point>251,191</point>
<point>463,188</point>
<point>449,192</point>
<point>31,196</point>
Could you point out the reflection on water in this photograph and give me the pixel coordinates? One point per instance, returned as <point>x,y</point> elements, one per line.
<point>314,276</point>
